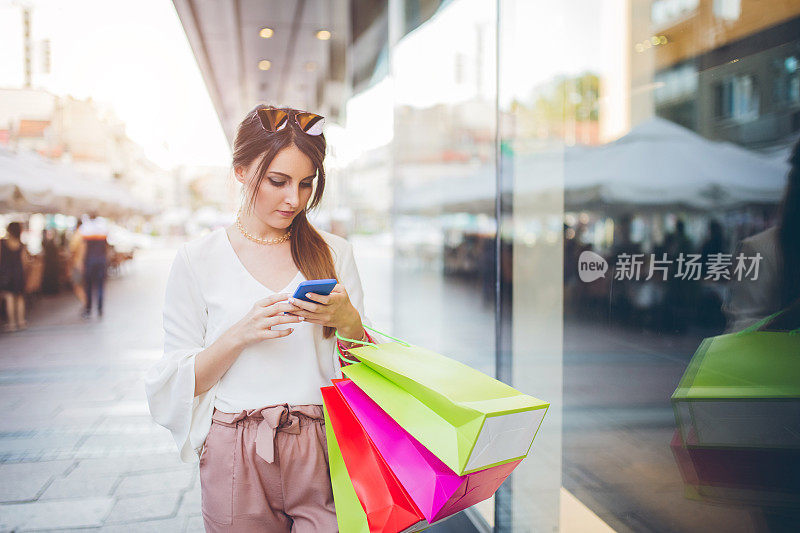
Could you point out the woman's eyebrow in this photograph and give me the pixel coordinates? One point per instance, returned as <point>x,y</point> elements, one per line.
<point>288,176</point>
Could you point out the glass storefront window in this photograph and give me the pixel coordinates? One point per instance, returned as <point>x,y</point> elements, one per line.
<point>582,193</point>
<point>444,227</point>
<point>670,196</point>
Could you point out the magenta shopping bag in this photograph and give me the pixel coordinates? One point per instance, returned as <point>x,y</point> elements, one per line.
<point>435,488</point>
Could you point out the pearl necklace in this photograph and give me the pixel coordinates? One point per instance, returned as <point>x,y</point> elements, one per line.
<point>257,239</point>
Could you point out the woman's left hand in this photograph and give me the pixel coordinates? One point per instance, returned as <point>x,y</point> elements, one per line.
<point>334,310</point>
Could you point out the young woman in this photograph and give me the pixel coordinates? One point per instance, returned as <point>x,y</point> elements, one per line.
<point>239,382</point>
<point>12,276</point>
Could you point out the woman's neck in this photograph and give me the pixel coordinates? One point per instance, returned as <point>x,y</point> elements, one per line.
<point>258,229</point>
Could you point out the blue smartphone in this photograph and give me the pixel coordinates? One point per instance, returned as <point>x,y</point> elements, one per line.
<point>317,286</point>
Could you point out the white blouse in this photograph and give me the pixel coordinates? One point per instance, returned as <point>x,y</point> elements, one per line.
<point>208,291</point>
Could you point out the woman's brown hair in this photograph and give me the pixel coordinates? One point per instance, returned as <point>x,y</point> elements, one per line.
<point>310,252</point>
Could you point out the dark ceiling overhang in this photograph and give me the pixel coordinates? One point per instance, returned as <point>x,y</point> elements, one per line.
<point>305,73</point>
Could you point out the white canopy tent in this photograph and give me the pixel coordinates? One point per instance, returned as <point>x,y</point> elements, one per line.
<point>29,182</point>
<point>20,186</point>
<point>658,165</point>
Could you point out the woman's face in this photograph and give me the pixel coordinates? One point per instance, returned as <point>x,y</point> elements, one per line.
<point>286,188</point>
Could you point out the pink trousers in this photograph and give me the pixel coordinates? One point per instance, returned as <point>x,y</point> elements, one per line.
<point>266,470</point>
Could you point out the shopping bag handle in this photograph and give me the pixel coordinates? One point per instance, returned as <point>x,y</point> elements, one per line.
<point>343,357</point>
<point>364,343</point>
<point>404,343</point>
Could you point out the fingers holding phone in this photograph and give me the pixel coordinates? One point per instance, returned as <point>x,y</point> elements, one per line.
<point>332,308</point>
<point>316,287</point>
<point>266,319</point>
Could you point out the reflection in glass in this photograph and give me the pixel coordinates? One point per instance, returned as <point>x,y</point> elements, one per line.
<point>443,166</point>
<point>582,193</point>
<point>673,175</point>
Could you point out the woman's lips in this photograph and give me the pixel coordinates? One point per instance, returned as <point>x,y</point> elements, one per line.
<point>286,213</point>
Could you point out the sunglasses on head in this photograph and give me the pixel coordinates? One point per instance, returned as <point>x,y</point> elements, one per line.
<point>274,119</point>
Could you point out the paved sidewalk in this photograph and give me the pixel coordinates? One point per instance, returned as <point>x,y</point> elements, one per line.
<point>78,448</point>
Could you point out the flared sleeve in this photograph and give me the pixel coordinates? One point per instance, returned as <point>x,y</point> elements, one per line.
<point>170,383</point>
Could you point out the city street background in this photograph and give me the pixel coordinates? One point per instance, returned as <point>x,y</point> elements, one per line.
<point>474,152</point>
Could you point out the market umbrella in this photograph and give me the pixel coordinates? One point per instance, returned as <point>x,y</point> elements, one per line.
<point>20,187</point>
<point>659,163</point>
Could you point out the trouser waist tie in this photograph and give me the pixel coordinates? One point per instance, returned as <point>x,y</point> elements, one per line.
<point>283,417</point>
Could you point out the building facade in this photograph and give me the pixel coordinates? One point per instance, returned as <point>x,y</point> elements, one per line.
<point>84,135</point>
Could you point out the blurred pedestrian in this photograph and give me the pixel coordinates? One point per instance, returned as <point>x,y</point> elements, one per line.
<point>710,294</point>
<point>94,247</point>
<point>624,248</point>
<point>679,292</point>
<point>51,274</point>
<point>678,242</point>
<point>76,262</point>
<point>12,276</point>
<point>714,243</point>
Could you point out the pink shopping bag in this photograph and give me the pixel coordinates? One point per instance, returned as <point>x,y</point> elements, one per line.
<point>435,488</point>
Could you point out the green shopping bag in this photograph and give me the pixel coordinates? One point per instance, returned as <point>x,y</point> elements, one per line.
<point>469,420</point>
<point>742,390</point>
<point>349,513</point>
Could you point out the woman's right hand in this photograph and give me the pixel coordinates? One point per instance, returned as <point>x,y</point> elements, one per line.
<point>255,325</point>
